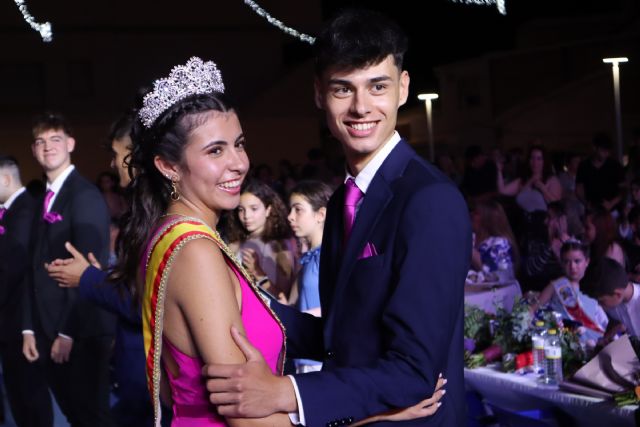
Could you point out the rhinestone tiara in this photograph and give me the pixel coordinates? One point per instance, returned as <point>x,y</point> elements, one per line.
<point>196,77</point>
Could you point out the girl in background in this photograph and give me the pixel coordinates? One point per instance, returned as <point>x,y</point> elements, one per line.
<point>308,202</point>
<point>262,238</point>
<point>564,294</point>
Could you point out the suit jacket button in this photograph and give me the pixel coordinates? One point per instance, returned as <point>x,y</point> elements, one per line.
<point>329,354</point>
<point>350,420</point>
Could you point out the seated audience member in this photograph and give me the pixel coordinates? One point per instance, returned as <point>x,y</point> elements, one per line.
<point>494,241</point>
<point>607,281</point>
<point>565,296</point>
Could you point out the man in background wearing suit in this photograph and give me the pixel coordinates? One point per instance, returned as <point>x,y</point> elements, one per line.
<point>392,280</point>
<point>70,337</point>
<point>23,381</point>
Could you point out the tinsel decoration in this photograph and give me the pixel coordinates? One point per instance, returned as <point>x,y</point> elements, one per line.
<point>502,8</point>
<point>44,29</point>
<point>277,23</point>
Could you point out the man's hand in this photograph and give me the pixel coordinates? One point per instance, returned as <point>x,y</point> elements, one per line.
<point>67,272</point>
<point>249,390</point>
<point>61,349</point>
<point>29,347</point>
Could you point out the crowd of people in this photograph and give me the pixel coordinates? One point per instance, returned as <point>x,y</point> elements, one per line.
<point>201,291</point>
<point>556,226</point>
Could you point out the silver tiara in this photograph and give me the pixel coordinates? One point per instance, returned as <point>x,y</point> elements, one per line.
<point>196,77</point>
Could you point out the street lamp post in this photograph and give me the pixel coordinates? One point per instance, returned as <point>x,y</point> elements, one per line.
<point>615,69</point>
<point>427,98</point>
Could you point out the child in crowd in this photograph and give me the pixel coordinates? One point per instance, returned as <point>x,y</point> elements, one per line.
<point>260,233</point>
<point>564,294</point>
<point>608,282</point>
<point>308,203</point>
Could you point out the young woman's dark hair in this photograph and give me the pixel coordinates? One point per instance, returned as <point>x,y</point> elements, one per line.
<point>149,190</point>
<point>276,228</point>
<point>547,169</point>
<point>575,245</point>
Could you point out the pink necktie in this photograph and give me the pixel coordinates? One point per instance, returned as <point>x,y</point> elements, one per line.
<point>2,212</point>
<point>352,195</point>
<point>49,217</point>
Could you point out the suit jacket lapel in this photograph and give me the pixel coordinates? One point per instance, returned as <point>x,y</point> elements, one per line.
<point>378,196</point>
<point>64,194</point>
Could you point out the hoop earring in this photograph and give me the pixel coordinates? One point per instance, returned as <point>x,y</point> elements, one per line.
<point>175,196</point>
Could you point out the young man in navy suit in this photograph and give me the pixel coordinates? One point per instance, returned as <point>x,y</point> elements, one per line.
<point>68,336</point>
<point>392,281</point>
<point>23,381</point>
<point>133,407</point>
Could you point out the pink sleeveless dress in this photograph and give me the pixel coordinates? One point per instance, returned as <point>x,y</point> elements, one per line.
<point>191,407</point>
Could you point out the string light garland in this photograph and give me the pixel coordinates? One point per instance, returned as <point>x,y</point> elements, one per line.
<point>277,23</point>
<point>43,29</point>
<point>501,4</point>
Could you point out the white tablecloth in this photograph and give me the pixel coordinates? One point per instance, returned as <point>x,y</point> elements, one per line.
<point>488,298</point>
<point>522,393</point>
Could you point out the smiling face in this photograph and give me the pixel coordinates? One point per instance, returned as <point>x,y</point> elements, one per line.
<point>361,107</point>
<point>214,164</point>
<point>52,149</point>
<point>253,214</point>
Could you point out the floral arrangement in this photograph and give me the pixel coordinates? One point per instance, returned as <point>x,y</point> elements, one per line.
<point>507,335</point>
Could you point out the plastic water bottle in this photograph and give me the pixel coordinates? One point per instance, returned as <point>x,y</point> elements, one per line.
<point>552,359</point>
<point>537,346</point>
<point>505,272</point>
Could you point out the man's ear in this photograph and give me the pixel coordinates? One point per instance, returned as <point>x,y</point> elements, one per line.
<point>166,168</point>
<point>71,144</point>
<point>404,87</point>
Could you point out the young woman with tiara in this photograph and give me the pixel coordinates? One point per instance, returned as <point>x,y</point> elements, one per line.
<point>190,162</point>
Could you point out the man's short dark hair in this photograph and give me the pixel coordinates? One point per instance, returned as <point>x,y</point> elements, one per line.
<point>50,121</point>
<point>357,38</point>
<point>604,277</point>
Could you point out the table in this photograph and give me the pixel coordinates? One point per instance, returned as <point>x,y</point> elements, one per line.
<point>488,297</point>
<point>515,392</point>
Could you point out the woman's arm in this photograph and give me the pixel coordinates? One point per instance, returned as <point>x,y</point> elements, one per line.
<point>510,189</point>
<point>202,303</point>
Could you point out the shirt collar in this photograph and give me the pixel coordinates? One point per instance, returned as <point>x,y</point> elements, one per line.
<point>57,183</point>
<point>364,178</point>
<point>13,197</point>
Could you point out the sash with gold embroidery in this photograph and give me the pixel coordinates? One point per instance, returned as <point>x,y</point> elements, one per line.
<point>167,241</point>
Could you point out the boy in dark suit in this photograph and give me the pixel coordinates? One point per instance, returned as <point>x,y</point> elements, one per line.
<point>23,381</point>
<point>395,254</point>
<point>70,337</point>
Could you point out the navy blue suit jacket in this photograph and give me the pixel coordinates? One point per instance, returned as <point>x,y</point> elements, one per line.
<point>48,308</point>
<point>391,322</point>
